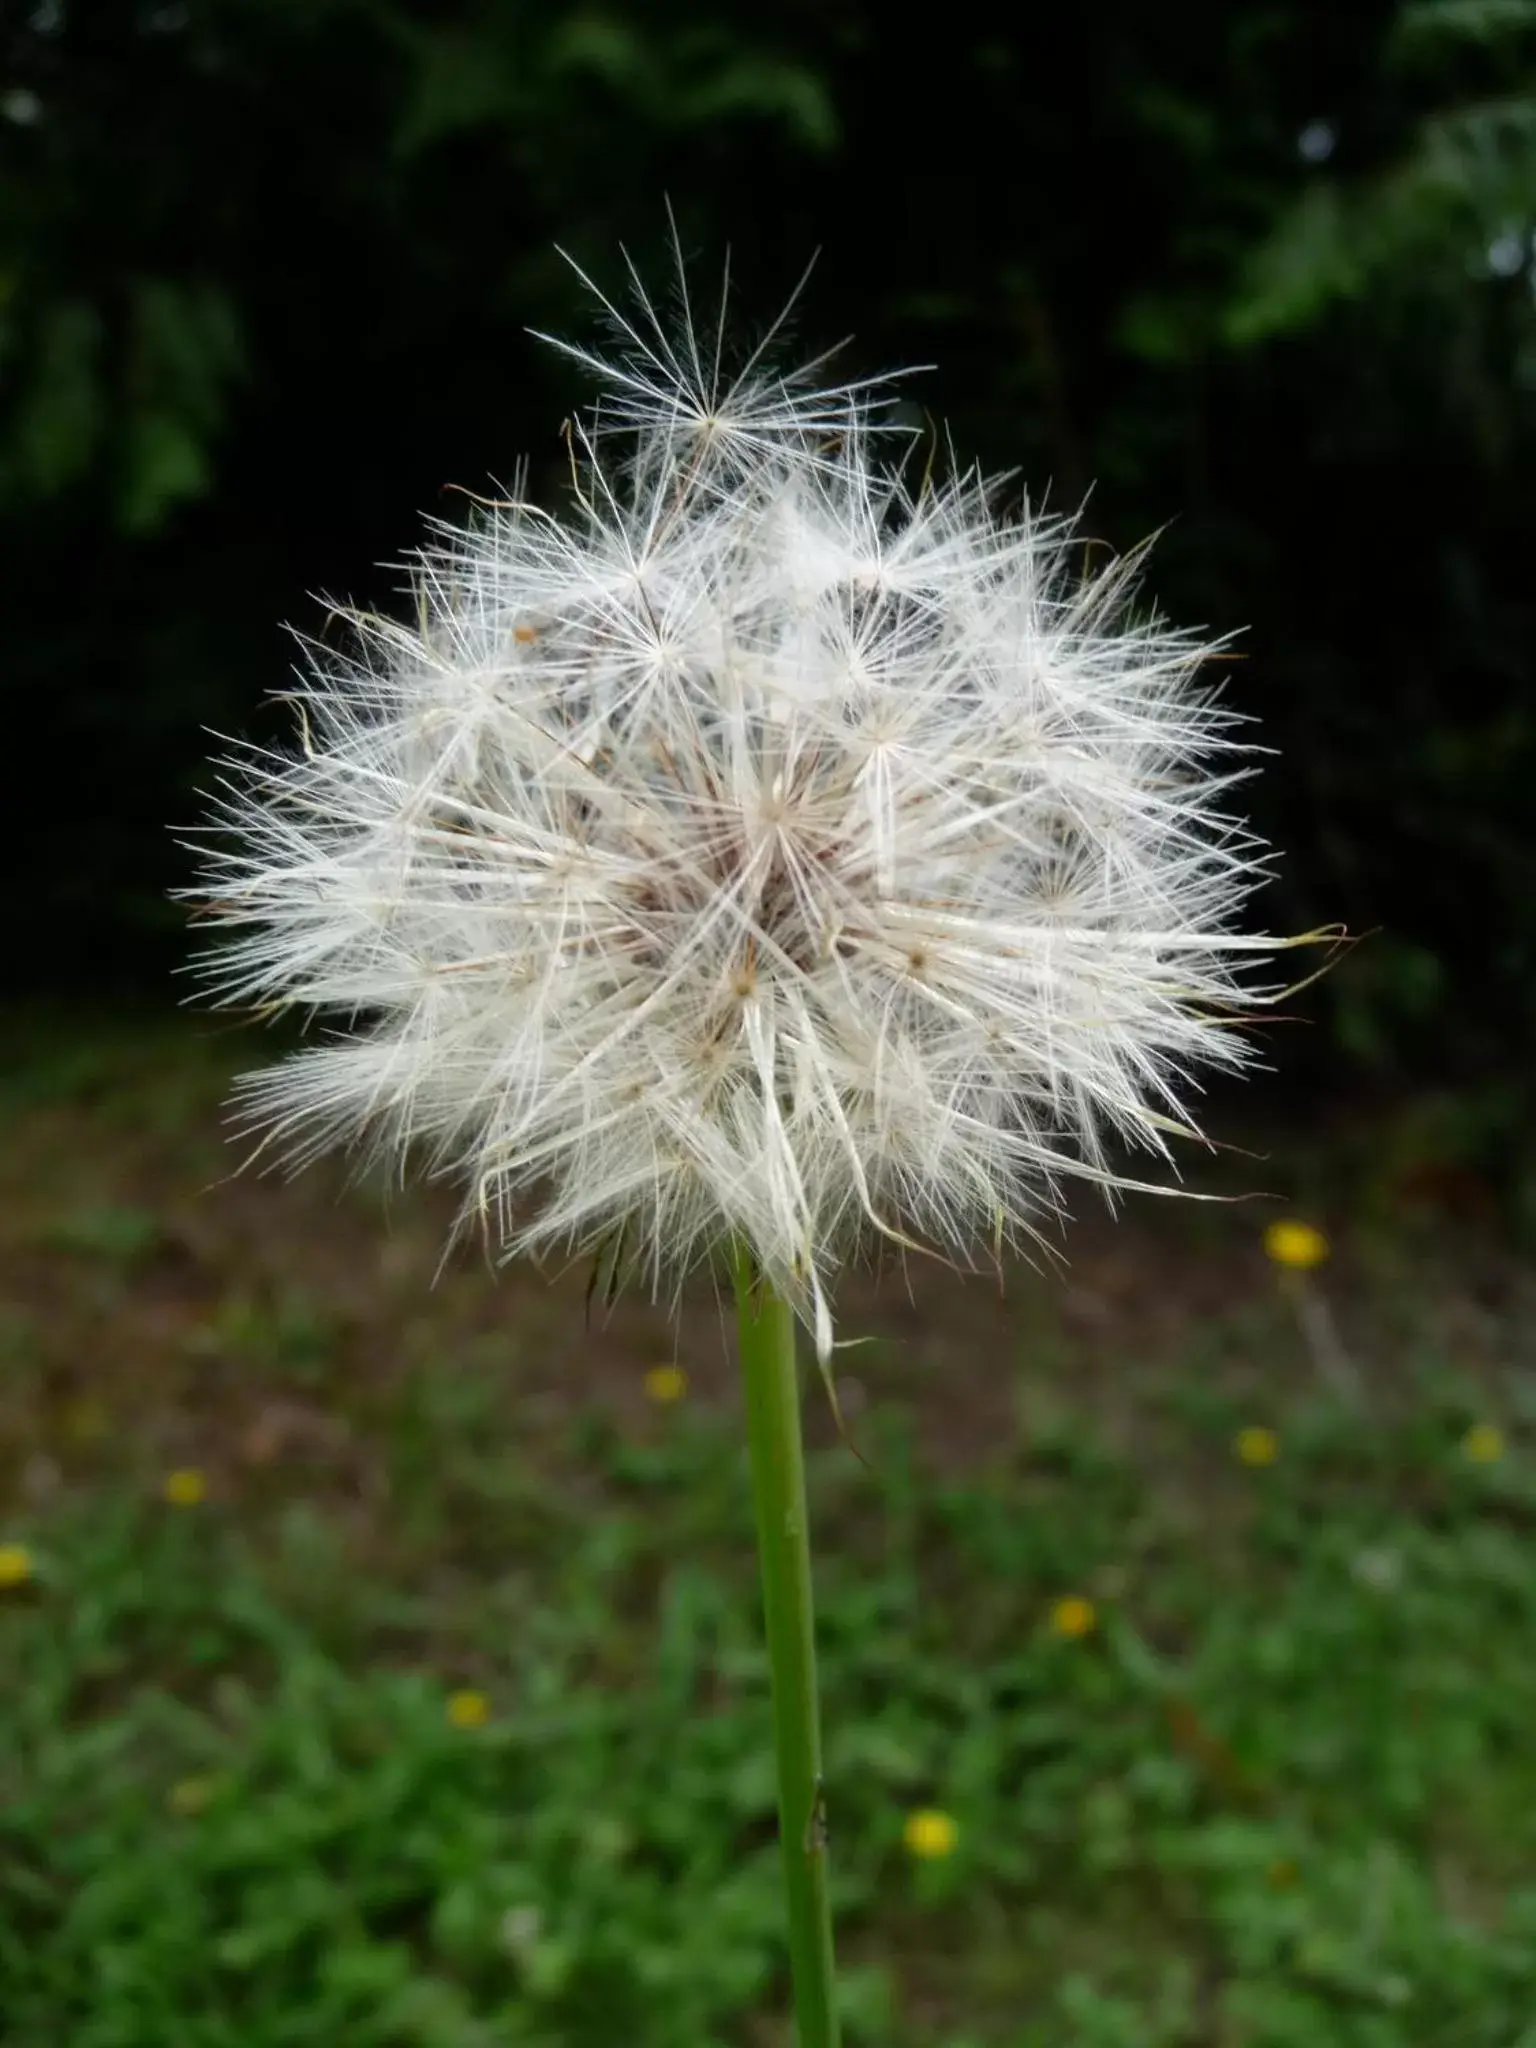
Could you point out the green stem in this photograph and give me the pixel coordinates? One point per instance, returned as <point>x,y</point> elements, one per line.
<point>767,1332</point>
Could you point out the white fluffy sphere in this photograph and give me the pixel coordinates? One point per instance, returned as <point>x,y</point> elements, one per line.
<point>777,844</point>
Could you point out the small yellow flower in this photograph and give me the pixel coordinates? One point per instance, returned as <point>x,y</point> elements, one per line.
<point>468,1709</point>
<point>1074,1617</point>
<point>85,1421</point>
<point>15,1564</point>
<point>930,1834</point>
<point>191,1795</point>
<point>1298,1246</point>
<point>666,1384</point>
<point>1256,1445</point>
<point>185,1487</point>
<point>1483,1443</point>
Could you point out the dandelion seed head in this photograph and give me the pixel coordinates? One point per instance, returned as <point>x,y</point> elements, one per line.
<point>780,843</point>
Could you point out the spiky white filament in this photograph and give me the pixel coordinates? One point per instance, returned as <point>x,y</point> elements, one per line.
<point>771,846</point>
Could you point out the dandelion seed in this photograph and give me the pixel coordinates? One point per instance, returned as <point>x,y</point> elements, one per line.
<point>468,1709</point>
<point>1074,1617</point>
<point>1483,1443</point>
<point>185,1488</point>
<point>16,1565</point>
<point>929,1834</point>
<point>1256,1445</point>
<point>785,847</point>
<point>665,1384</point>
<point>1296,1246</point>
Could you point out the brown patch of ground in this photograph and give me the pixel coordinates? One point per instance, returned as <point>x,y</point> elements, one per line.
<point>237,1321</point>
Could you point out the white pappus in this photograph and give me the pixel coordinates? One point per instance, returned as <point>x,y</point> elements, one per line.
<point>778,843</point>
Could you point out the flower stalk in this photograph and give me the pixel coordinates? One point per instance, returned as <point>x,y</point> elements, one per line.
<point>766,1324</point>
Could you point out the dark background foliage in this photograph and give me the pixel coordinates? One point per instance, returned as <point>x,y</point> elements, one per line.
<point>1263,271</point>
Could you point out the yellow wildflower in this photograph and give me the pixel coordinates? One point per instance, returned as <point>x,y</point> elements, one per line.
<point>930,1834</point>
<point>191,1795</point>
<point>1256,1445</point>
<point>85,1421</point>
<point>185,1487</point>
<point>1483,1443</point>
<point>1074,1616</point>
<point>666,1383</point>
<point>15,1564</point>
<point>468,1709</point>
<point>1297,1246</point>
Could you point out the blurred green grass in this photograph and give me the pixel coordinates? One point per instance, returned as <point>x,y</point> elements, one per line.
<point>434,1714</point>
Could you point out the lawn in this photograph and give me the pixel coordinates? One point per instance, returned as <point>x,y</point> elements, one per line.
<point>380,1662</point>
